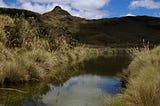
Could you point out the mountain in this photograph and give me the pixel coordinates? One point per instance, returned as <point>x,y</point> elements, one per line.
<point>115,32</point>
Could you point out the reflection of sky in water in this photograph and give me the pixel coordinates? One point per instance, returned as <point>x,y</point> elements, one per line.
<point>86,90</point>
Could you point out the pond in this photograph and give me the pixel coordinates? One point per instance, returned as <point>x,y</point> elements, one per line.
<point>96,79</point>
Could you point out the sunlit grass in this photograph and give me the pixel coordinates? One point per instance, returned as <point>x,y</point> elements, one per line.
<point>26,56</point>
<point>143,88</point>
<point>37,62</point>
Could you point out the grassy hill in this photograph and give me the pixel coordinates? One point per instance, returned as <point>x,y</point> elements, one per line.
<point>120,31</point>
<point>114,32</point>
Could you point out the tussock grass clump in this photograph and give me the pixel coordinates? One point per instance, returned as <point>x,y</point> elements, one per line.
<point>27,55</point>
<point>22,32</point>
<point>15,71</point>
<point>5,21</point>
<point>143,88</point>
<point>38,62</point>
<point>136,51</point>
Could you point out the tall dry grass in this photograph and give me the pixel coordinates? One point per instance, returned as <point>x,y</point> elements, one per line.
<point>21,64</point>
<point>27,56</point>
<point>136,51</point>
<point>143,88</point>
<point>5,21</point>
<point>24,56</point>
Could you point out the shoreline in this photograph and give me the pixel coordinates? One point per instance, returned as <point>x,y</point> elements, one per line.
<point>141,80</point>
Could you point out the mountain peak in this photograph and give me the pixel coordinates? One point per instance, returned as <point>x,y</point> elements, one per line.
<point>58,10</point>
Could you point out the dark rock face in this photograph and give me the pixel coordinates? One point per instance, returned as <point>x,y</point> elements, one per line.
<point>59,11</point>
<point>57,8</point>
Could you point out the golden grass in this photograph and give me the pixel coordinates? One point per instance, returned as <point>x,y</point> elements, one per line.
<point>26,56</point>
<point>136,51</point>
<point>143,88</point>
<point>5,21</point>
<point>37,62</point>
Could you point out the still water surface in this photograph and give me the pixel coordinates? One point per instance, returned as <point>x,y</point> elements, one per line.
<point>85,90</point>
<point>88,88</point>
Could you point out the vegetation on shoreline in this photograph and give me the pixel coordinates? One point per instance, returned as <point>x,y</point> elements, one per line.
<point>143,81</point>
<point>25,56</point>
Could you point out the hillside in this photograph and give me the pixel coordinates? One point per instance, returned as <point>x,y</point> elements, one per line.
<point>123,31</point>
<point>115,32</point>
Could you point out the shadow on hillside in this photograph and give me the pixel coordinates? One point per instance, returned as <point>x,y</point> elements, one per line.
<point>120,32</point>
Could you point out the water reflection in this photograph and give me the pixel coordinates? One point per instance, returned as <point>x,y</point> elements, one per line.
<point>85,90</point>
<point>103,66</point>
<point>89,82</point>
<point>32,98</point>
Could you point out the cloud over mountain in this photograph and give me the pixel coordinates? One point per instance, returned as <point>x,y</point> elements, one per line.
<point>90,9</point>
<point>82,8</point>
<point>149,4</point>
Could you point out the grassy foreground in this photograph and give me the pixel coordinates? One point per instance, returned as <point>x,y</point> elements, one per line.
<point>26,56</point>
<point>19,65</point>
<point>30,51</point>
<point>143,88</point>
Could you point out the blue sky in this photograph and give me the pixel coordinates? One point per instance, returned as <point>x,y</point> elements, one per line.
<point>91,9</point>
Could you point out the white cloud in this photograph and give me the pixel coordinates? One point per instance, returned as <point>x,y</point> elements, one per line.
<point>2,4</point>
<point>46,1</point>
<point>89,4</point>
<point>157,14</point>
<point>37,7</point>
<point>149,4</point>
<point>129,14</point>
<point>92,14</point>
<point>90,8</point>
